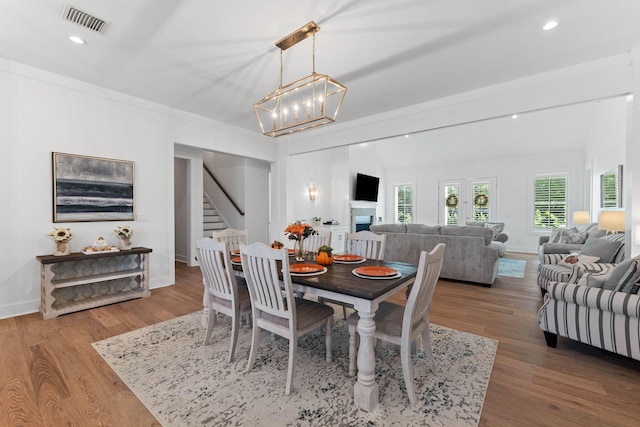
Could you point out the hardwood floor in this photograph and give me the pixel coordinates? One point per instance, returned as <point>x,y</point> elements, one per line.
<point>51,376</point>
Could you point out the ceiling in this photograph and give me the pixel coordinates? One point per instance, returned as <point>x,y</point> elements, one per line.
<point>216,59</point>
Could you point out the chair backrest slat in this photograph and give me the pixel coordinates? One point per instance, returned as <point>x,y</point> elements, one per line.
<point>366,243</point>
<point>418,303</point>
<point>233,237</point>
<point>313,242</point>
<point>261,265</point>
<point>215,264</point>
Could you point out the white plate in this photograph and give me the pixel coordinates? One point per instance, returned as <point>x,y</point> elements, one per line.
<point>317,273</point>
<point>350,262</point>
<point>395,276</point>
<point>101,252</point>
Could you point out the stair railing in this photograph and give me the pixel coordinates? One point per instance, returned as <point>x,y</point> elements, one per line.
<point>224,191</point>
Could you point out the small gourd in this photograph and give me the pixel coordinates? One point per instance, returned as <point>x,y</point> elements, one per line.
<point>324,255</point>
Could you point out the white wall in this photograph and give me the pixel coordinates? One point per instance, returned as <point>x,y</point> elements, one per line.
<point>42,112</point>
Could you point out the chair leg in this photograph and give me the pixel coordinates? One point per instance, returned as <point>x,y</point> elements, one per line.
<point>344,312</point>
<point>551,338</point>
<point>352,351</point>
<point>428,350</point>
<point>235,320</point>
<point>405,355</point>
<point>210,324</point>
<point>255,342</point>
<point>328,339</point>
<point>293,347</point>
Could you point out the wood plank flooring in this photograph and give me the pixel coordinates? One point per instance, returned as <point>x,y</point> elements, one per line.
<point>51,376</point>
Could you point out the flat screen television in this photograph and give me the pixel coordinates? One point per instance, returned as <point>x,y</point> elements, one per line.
<point>367,188</point>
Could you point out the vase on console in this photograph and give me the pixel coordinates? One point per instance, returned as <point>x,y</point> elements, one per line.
<point>124,233</point>
<point>62,241</point>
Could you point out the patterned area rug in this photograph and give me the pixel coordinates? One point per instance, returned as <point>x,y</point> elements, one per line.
<point>184,383</point>
<point>512,267</point>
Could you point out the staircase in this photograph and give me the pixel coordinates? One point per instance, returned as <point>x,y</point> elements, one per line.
<point>211,221</point>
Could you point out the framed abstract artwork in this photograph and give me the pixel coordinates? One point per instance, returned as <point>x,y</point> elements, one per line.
<point>91,189</point>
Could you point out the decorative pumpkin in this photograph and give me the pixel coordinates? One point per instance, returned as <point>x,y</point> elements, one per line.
<point>324,255</point>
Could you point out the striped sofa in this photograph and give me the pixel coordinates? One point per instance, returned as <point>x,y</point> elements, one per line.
<point>550,271</point>
<point>607,319</point>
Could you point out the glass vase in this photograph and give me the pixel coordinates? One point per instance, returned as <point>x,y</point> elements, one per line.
<point>298,250</point>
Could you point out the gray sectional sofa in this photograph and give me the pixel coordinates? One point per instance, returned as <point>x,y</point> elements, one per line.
<point>470,252</point>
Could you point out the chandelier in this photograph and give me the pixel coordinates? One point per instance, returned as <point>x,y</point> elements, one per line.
<point>306,103</point>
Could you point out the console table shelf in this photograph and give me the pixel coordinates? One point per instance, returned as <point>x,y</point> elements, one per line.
<point>77,281</point>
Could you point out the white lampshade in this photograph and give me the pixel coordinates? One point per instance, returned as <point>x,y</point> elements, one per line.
<point>581,217</point>
<point>611,221</point>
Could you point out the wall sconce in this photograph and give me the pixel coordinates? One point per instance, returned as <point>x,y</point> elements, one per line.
<point>612,221</point>
<point>313,192</point>
<point>581,217</point>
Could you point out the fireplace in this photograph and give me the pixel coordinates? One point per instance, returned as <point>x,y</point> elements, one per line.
<point>363,215</point>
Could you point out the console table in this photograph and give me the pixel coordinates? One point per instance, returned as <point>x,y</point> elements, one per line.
<point>77,281</point>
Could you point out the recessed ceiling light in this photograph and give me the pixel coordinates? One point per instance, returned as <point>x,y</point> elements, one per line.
<point>515,116</point>
<point>76,39</point>
<point>550,25</point>
<point>406,136</point>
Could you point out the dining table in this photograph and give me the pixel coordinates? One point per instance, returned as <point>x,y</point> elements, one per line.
<point>338,282</point>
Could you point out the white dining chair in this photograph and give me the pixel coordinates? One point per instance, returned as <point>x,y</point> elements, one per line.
<point>275,309</point>
<point>313,242</point>
<point>233,237</point>
<point>366,243</point>
<point>403,325</point>
<point>222,293</point>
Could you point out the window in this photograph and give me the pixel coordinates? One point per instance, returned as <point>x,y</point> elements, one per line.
<point>550,201</point>
<point>403,202</point>
<point>452,204</point>
<point>480,202</point>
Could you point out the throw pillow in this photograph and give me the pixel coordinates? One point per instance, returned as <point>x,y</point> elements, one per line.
<point>573,236</point>
<point>556,235</point>
<point>572,259</point>
<point>595,280</point>
<point>625,279</point>
<point>603,249</point>
<point>495,228</point>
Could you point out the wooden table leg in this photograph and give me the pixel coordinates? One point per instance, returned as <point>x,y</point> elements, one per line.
<point>365,390</point>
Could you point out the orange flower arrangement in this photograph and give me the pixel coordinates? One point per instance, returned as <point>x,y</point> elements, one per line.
<point>299,231</point>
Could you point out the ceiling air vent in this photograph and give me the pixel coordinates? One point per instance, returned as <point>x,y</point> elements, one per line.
<point>79,17</point>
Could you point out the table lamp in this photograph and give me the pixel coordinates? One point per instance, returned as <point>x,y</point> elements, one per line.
<point>612,221</point>
<point>581,217</point>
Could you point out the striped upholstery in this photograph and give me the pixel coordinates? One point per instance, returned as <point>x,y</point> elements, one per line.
<point>550,271</point>
<point>601,318</point>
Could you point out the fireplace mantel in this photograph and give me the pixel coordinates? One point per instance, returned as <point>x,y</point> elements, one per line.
<point>360,204</point>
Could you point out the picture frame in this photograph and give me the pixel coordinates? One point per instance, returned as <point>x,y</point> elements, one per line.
<point>89,188</point>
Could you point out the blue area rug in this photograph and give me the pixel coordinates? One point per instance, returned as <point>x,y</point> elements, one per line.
<point>512,267</point>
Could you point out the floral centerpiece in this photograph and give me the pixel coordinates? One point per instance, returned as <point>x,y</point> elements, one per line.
<point>124,233</point>
<point>298,231</point>
<point>61,236</point>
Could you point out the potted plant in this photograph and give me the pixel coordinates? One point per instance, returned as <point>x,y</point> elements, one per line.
<point>317,220</point>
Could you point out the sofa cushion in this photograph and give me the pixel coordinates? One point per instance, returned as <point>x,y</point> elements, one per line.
<point>623,278</point>
<point>602,248</point>
<point>389,228</point>
<point>576,258</point>
<point>464,230</point>
<point>423,229</point>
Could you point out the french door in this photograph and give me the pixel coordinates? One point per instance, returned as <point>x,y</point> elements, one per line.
<point>464,200</point>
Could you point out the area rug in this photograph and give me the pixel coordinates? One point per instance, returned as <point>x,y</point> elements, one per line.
<point>184,383</point>
<point>511,267</point>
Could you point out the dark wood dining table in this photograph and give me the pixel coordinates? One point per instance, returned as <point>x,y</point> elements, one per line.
<point>339,283</point>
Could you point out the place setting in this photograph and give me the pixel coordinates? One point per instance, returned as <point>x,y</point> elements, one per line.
<point>236,260</point>
<point>348,259</point>
<point>306,269</point>
<point>376,272</point>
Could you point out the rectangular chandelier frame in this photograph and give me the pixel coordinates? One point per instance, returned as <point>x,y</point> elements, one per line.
<point>306,103</point>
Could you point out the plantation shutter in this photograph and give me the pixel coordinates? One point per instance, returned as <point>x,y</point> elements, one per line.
<point>403,202</point>
<point>550,201</point>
